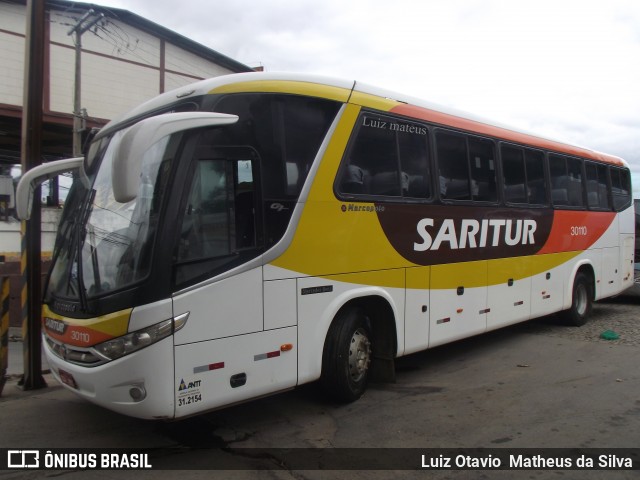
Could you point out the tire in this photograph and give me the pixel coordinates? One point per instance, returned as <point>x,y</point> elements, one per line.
<point>581,301</point>
<point>347,356</point>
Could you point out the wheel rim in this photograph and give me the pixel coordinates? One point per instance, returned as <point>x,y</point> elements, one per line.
<point>359,355</point>
<point>581,300</point>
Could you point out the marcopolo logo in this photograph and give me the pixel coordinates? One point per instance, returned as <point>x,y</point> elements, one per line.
<point>354,207</point>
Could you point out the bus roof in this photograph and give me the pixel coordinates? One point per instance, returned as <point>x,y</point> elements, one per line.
<point>364,95</point>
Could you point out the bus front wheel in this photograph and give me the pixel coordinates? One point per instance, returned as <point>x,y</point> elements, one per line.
<point>581,300</point>
<point>347,356</point>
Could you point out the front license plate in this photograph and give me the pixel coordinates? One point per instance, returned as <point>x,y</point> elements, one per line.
<point>67,379</point>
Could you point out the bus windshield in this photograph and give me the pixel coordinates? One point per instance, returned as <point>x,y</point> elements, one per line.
<point>231,213</point>
<point>108,243</point>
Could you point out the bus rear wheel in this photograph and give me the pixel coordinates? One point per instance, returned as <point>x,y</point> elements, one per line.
<point>347,356</point>
<point>581,300</point>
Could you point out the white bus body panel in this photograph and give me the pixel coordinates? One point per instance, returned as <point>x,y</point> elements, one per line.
<point>280,304</point>
<point>509,293</point>
<point>217,373</point>
<point>417,310</point>
<point>547,289</point>
<point>232,306</point>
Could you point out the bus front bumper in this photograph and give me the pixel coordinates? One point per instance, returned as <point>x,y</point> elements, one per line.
<point>139,385</point>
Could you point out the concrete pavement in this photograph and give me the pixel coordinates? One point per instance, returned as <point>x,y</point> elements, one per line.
<point>528,386</point>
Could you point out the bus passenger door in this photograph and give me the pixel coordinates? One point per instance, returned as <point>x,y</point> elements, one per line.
<point>458,301</point>
<point>223,354</point>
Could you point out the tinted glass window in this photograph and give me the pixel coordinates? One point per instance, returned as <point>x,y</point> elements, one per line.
<point>218,225</point>
<point>559,180</point>
<point>523,172</point>
<point>597,192</point>
<point>566,181</point>
<point>453,166</point>
<point>286,131</point>
<point>574,168</point>
<point>513,169</point>
<point>483,169</point>
<point>414,162</point>
<point>620,188</point>
<point>466,166</point>
<point>534,161</point>
<point>388,157</point>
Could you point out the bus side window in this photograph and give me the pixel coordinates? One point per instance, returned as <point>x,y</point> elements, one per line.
<point>620,188</point>
<point>513,170</point>
<point>218,223</point>
<point>576,184</point>
<point>567,185</point>
<point>597,196</point>
<point>453,167</point>
<point>466,167</point>
<point>205,227</point>
<point>387,158</point>
<point>536,183</point>
<point>523,174</point>
<point>559,180</point>
<point>483,169</point>
<point>414,163</point>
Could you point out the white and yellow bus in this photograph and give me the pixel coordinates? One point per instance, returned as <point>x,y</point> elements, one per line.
<point>254,232</point>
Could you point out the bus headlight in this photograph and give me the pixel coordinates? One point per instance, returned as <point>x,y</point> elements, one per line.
<point>132,342</point>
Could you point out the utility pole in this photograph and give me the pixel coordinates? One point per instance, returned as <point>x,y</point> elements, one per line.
<point>31,152</point>
<point>79,114</point>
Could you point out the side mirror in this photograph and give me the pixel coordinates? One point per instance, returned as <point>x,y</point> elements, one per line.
<point>33,178</point>
<point>128,156</point>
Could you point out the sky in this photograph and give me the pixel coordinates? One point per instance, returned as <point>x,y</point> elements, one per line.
<point>562,68</point>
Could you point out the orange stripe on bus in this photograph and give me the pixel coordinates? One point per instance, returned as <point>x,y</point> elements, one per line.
<point>503,133</point>
<point>576,230</point>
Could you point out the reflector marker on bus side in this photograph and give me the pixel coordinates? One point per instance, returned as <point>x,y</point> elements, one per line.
<point>207,368</point>
<point>264,356</point>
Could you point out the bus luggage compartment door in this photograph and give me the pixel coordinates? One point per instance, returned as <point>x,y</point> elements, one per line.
<point>458,301</point>
<point>222,372</point>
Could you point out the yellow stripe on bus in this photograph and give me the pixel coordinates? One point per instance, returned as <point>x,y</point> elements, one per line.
<point>288,86</point>
<point>373,101</point>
